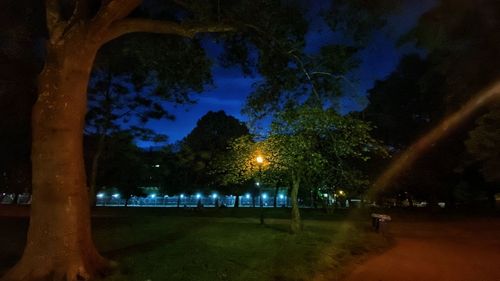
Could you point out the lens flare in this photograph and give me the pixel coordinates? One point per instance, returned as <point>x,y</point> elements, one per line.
<point>447,125</point>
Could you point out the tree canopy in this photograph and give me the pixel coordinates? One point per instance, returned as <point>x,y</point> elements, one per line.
<point>199,149</point>
<point>307,147</point>
<point>462,42</point>
<point>403,106</point>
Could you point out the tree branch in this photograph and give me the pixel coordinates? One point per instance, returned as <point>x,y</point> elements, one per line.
<point>79,14</point>
<point>55,24</point>
<point>342,77</point>
<point>132,25</point>
<point>80,11</point>
<point>111,11</point>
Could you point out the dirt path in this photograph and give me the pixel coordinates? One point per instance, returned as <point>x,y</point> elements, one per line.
<point>449,251</point>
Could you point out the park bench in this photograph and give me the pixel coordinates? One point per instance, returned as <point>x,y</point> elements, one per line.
<point>379,222</point>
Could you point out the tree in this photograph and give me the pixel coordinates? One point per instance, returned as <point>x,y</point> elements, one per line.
<point>408,103</point>
<point>208,140</point>
<point>459,36</point>
<point>123,167</point>
<point>482,145</point>
<point>174,177</point>
<point>131,84</point>
<point>304,143</point>
<point>403,106</point>
<point>236,169</point>
<point>59,240</point>
<point>311,143</point>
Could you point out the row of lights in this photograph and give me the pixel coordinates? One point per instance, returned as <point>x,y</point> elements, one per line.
<point>198,196</point>
<point>259,160</point>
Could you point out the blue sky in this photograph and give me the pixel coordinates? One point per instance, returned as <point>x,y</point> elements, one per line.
<point>231,87</point>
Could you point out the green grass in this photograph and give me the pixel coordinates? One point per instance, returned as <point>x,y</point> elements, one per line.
<point>223,245</point>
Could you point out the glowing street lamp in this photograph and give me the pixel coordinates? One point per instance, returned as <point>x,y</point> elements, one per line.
<point>260,159</point>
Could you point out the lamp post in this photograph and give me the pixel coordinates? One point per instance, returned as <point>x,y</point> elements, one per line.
<point>260,161</point>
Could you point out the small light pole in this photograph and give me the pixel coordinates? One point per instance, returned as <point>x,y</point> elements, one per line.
<point>153,196</point>
<point>260,161</point>
<point>216,200</point>
<point>179,198</point>
<point>199,205</point>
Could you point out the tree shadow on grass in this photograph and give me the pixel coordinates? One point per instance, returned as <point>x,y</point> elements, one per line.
<point>283,228</point>
<point>145,246</point>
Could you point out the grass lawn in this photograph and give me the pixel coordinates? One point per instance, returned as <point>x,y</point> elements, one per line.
<point>152,244</point>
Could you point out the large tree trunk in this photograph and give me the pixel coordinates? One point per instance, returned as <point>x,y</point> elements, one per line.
<point>295,225</point>
<point>59,244</point>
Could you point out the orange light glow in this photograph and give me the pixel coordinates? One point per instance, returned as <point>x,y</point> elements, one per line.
<point>260,159</point>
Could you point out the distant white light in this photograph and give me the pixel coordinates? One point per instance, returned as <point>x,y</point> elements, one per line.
<point>257,183</point>
<point>247,196</point>
<point>116,195</point>
<point>325,195</point>
<point>157,166</point>
<point>100,195</point>
<point>165,196</point>
<point>282,196</point>
<point>198,196</point>
<point>182,195</point>
<point>214,195</point>
<point>264,196</point>
<point>153,195</point>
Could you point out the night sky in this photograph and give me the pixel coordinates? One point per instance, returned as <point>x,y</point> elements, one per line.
<point>231,87</point>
